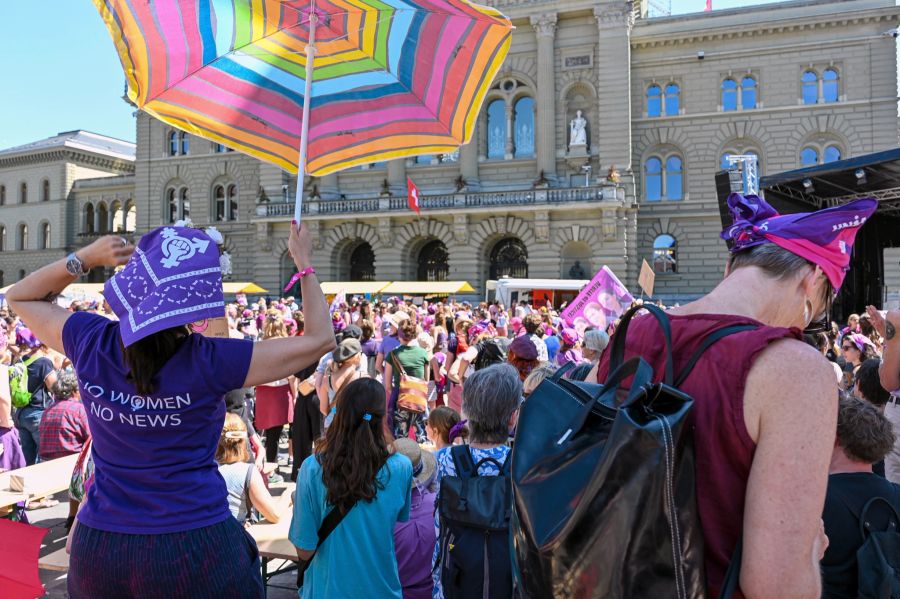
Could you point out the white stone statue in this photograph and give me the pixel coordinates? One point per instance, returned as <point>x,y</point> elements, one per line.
<point>578,130</point>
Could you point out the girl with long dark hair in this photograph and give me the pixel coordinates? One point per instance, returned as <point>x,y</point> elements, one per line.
<point>352,471</point>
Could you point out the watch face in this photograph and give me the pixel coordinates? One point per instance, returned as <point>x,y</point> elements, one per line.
<point>74,266</point>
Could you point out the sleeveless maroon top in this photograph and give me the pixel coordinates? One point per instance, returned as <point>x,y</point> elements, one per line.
<point>723,447</point>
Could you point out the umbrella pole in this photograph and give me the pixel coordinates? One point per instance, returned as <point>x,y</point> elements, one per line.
<point>304,127</point>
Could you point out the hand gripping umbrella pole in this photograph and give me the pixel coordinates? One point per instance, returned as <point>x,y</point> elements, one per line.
<point>307,95</point>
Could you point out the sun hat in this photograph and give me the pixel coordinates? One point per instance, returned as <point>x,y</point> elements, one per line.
<point>173,278</point>
<point>824,237</point>
<point>346,349</point>
<point>423,462</point>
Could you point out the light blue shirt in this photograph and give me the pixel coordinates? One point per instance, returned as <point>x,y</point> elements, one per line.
<point>357,559</point>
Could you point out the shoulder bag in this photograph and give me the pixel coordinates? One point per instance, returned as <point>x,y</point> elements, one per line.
<point>330,523</point>
<point>413,395</point>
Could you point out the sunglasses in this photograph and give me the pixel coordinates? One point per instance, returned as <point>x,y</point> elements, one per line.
<point>848,347</point>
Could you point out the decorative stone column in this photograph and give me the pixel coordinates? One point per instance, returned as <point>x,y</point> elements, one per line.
<point>545,31</point>
<point>396,176</point>
<point>613,142</point>
<point>468,163</point>
<point>329,189</point>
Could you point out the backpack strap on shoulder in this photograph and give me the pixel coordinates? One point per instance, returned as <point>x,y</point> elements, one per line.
<point>708,342</point>
<point>617,353</point>
<point>561,371</point>
<point>865,528</point>
<point>462,459</point>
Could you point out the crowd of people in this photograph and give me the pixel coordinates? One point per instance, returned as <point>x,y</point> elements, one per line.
<point>372,394</point>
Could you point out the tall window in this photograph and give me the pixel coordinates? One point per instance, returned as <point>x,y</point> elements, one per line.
<point>225,197</point>
<point>23,193</point>
<point>173,143</point>
<point>524,124</point>
<point>45,190</point>
<point>185,143</point>
<point>184,200</point>
<point>748,93</point>
<point>2,238</point>
<point>22,242</point>
<point>102,218</point>
<point>674,178</point>
<point>434,262</point>
<point>830,90</point>
<point>831,154</point>
<point>729,95</point>
<point>809,157</point>
<point>2,195</point>
<point>496,129</point>
<point>509,258</point>
<point>654,101</point>
<point>1,279</point>
<point>89,219</point>
<point>665,258</point>
<point>130,217</point>
<point>45,236</point>
<point>653,179</point>
<point>809,83</point>
<point>218,148</point>
<point>673,99</point>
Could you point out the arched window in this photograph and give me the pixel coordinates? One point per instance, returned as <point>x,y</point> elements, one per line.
<point>22,241</point>
<point>102,219</point>
<point>118,217</point>
<point>45,190</point>
<point>809,83</point>
<point>653,179</point>
<point>674,178</point>
<point>665,254</point>
<point>173,143</point>
<point>748,93</point>
<point>185,143</point>
<point>2,238</point>
<point>89,219</point>
<point>219,199</point>
<point>23,193</point>
<point>831,154</point>
<point>673,99</point>
<point>232,202</point>
<point>434,262</point>
<point>362,263</point>
<point>172,204</point>
<point>496,129</point>
<point>130,217</point>
<point>509,258</point>
<point>524,124</point>
<point>2,195</point>
<point>184,200</point>
<point>654,101</point>
<point>830,90</point>
<point>45,236</point>
<point>809,157</point>
<point>723,161</point>
<point>729,95</point>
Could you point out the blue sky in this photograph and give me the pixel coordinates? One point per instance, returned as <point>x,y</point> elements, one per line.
<point>61,72</point>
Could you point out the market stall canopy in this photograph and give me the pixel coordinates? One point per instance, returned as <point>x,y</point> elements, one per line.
<point>354,287</point>
<point>230,287</point>
<point>427,288</point>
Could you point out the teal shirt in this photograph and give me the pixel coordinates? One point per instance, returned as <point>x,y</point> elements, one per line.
<point>357,559</point>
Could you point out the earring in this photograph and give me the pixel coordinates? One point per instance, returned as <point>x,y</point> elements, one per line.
<point>807,312</point>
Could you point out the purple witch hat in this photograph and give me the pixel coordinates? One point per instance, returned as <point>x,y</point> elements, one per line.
<point>824,237</point>
<point>174,278</point>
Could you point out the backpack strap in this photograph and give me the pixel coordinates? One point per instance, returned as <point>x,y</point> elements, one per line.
<point>561,371</point>
<point>462,459</point>
<point>733,574</point>
<point>864,525</point>
<point>617,356</point>
<point>708,342</point>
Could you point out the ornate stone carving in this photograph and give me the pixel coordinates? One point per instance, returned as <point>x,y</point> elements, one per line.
<point>315,232</point>
<point>611,16</point>
<point>384,231</point>
<point>542,226</point>
<point>544,25</point>
<point>578,130</point>
<point>461,228</point>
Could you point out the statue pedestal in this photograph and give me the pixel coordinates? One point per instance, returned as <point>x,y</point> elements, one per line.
<point>577,156</point>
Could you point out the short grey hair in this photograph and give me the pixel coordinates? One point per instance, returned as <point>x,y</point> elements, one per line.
<point>66,385</point>
<point>595,340</point>
<point>490,397</point>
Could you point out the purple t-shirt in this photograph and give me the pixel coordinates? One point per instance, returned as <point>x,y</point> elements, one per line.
<point>413,542</point>
<point>388,344</point>
<point>154,456</point>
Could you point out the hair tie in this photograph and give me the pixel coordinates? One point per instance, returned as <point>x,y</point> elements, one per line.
<point>456,429</point>
<point>235,434</point>
<point>367,417</point>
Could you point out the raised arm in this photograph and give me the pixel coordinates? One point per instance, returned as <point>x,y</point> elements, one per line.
<point>890,357</point>
<point>32,297</point>
<point>790,409</point>
<point>275,359</point>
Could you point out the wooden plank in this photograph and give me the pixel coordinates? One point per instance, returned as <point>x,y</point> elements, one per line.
<point>57,561</point>
<point>8,498</point>
<point>43,478</point>
<point>272,539</point>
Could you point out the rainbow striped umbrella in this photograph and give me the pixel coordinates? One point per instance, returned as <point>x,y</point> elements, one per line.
<point>385,78</point>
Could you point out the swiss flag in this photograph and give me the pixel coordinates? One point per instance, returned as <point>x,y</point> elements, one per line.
<point>412,197</point>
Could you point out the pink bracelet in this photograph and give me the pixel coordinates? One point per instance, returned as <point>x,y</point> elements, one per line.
<point>298,276</point>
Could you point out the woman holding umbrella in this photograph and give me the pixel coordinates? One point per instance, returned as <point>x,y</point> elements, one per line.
<point>156,521</point>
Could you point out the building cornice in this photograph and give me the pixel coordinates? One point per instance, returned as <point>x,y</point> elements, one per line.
<point>68,155</point>
<point>648,34</point>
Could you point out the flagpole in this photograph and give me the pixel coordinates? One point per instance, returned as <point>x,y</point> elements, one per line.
<point>304,126</point>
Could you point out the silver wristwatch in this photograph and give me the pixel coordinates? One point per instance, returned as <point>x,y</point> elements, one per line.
<point>75,266</point>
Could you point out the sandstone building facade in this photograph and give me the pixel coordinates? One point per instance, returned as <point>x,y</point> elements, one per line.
<point>587,86</point>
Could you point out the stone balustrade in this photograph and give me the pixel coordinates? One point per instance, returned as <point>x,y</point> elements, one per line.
<point>485,199</point>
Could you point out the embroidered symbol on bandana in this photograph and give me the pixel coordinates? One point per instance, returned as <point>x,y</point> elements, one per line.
<point>177,249</point>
